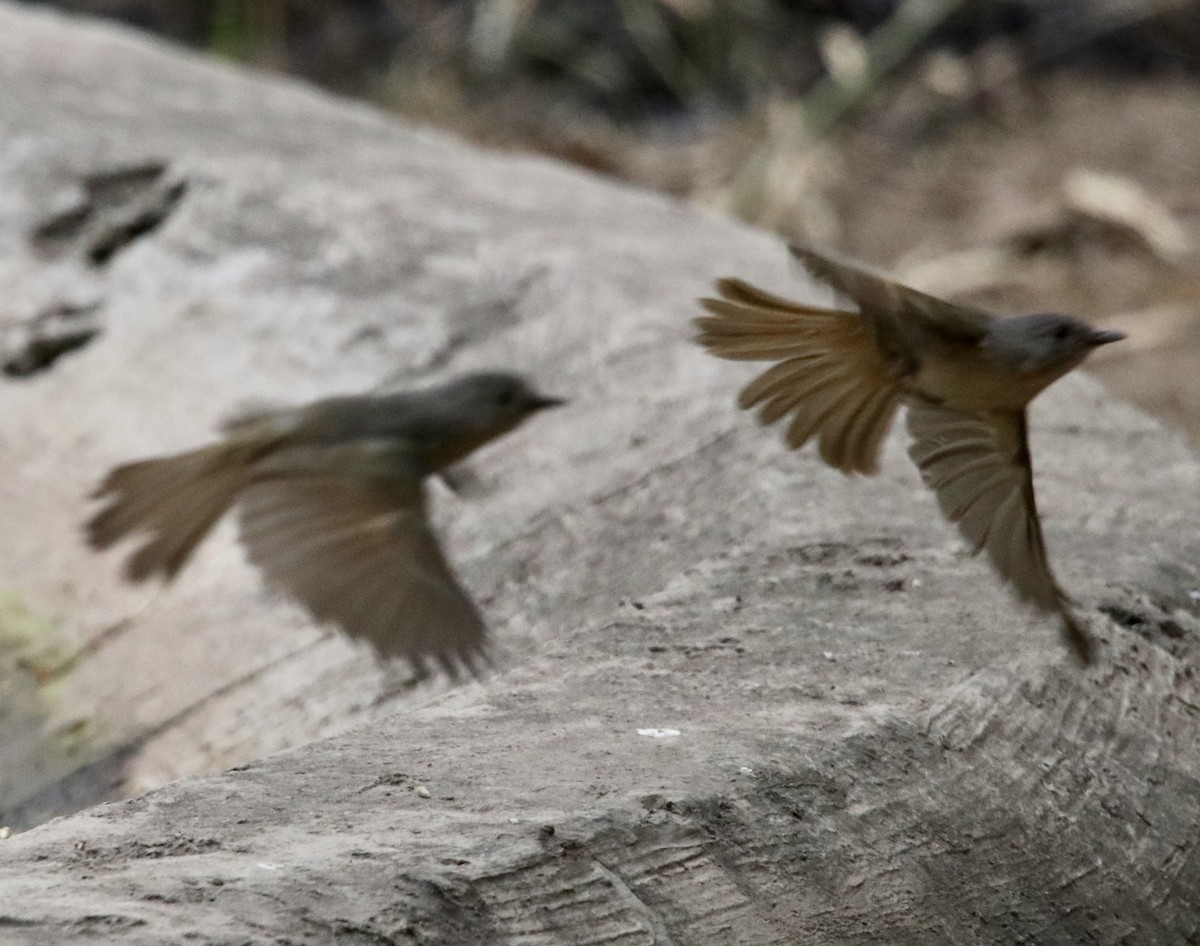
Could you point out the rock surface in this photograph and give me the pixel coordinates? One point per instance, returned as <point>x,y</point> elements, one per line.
<point>739,699</point>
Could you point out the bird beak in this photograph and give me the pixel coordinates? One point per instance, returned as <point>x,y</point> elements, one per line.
<point>539,402</point>
<point>1104,337</point>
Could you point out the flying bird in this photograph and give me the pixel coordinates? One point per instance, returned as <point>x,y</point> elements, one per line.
<point>331,505</point>
<point>964,375</point>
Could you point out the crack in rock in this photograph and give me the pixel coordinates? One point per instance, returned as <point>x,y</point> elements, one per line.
<point>35,345</point>
<point>115,208</point>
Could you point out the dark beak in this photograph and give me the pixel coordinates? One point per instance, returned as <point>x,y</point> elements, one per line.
<point>1104,337</point>
<point>539,402</point>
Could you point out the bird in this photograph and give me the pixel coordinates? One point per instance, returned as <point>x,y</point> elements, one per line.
<point>965,376</point>
<point>331,507</point>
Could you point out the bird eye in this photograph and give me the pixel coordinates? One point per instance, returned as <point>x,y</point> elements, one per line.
<point>506,397</point>
<point>1062,333</point>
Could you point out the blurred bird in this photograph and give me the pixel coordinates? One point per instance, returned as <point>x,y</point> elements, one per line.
<point>331,504</point>
<point>964,375</point>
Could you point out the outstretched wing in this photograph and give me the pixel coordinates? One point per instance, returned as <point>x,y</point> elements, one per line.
<point>344,530</point>
<point>894,312</point>
<point>830,377</point>
<point>978,466</point>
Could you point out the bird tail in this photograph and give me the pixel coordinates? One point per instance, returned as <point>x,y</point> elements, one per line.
<point>175,499</point>
<point>830,374</point>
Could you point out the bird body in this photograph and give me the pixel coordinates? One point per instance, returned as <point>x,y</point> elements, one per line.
<point>965,376</point>
<point>331,507</point>
<point>972,381</point>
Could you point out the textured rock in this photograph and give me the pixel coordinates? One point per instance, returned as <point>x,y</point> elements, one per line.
<point>874,744</point>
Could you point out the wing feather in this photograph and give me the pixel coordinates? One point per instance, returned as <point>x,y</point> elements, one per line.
<point>348,536</point>
<point>978,466</point>
<point>829,376</point>
<point>893,309</point>
<point>737,290</point>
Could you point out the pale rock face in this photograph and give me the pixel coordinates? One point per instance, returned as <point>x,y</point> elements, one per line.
<point>863,726</point>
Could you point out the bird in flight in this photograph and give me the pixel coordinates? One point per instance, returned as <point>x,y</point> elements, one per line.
<point>331,505</point>
<point>965,376</point>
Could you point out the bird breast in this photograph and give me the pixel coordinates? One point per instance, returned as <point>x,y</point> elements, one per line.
<point>972,381</point>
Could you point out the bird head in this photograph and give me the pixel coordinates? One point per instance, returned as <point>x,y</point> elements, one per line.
<point>1045,343</point>
<point>468,411</point>
<point>496,398</point>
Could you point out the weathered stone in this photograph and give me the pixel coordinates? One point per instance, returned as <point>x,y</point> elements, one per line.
<point>874,743</point>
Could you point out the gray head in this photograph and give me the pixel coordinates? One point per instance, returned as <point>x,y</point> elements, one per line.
<point>466,412</point>
<point>494,395</point>
<point>1044,342</point>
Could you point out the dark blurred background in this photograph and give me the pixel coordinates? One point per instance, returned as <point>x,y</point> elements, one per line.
<point>1019,153</point>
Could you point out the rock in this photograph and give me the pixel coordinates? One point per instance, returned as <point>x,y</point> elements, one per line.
<point>868,738</point>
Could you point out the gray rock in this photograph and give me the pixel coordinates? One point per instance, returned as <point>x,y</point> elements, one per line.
<point>740,698</point>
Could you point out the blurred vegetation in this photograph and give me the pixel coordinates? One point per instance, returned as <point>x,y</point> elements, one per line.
<point>1023,153</point>
<point>34,753</point>
<point>590,79</point>
<point>634,60</point>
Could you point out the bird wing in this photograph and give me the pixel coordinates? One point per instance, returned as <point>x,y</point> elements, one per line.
<point>344,530</point>
<point>896,312</point>
<point>830,376</point>
<point>978,466</point>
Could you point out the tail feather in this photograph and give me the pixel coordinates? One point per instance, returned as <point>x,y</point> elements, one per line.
<point>828,373</point>
<point>175,500</point>
<point>737,290</point>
